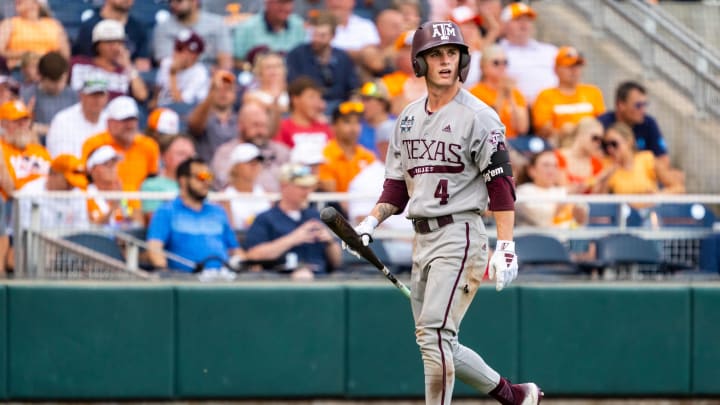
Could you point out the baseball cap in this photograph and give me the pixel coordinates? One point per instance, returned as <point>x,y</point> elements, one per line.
<point>569,56</point>
<point>122,108</point>
<point>71,168</point>
<point>404,40</point>
<point>308,154</point>
<point>347,108</point>
<point>100,156</point>
<point>374,89</point>
<point>245,152</point>
<point>297,174</point>
<point>14,110</point>
<point>188,39</point>
<point>463,14</point>
<point>108,30</point>
<point>164,121</point>
<point>516,10</point>
<point>91,86</point>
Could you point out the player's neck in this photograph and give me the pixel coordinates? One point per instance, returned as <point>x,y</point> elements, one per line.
<point>438,97</point>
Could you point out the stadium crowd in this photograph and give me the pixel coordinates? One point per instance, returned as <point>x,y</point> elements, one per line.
<point>289,97</point>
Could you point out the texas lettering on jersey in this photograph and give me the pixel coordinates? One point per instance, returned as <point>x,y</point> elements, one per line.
<point>436,151</point>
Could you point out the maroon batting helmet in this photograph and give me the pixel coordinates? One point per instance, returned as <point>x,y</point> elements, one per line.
<point>436,33</point>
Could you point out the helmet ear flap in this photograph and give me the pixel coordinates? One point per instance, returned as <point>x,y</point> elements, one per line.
<point>464,60</point>
<point>419,66</point>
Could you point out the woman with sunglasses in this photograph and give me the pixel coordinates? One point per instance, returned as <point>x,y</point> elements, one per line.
<point>498,90</point>
<point>581,164</point>
<point>637,172</point>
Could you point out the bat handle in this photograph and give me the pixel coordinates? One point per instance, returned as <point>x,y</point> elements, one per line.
<point>402,287</point>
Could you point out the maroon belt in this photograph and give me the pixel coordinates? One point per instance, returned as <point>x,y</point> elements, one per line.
<point>427,225</point>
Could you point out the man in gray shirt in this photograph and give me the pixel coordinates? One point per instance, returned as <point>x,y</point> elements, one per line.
<point>186,14</point>
<point>51,94</point>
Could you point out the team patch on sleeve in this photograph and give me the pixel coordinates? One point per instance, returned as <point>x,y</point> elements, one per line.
<point>495,137</point>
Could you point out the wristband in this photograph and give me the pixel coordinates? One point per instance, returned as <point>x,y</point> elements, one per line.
<point>505,245</point>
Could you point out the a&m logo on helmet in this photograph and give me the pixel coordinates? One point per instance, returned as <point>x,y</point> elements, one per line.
<point>443,31</point>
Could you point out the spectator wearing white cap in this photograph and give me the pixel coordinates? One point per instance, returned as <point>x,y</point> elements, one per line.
<point>138,41</point>
<point>181,77</point>
<point>140,152</point>
<point>174,149</point>
<point>111,62</point>
<point>245,166</point>
<point>531,63</point>
<point>71,127</point>
<point>253,127</point>
<point>103,173</point>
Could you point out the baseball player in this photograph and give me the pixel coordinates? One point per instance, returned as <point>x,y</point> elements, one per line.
<point>446,159</point>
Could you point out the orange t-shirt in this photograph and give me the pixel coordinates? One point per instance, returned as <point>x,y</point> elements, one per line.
<point>559,108</point>
<point>25,165</point>
<point>139,161</point>
<point>596,166</point>
<point>40,36</point>
<point>395,82</point>
<point>489,96</point>
<point>339,168</point>
<point>641,179</point>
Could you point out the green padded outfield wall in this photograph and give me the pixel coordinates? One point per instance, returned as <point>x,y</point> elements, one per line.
<point>706,341</point>
<point>3,342</point>
<point>589,340</point>
<point>74,341</point>
<point>249,341</point>
<point>383,359</point>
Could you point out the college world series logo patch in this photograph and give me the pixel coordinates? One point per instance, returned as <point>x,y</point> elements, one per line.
<point>407,123</point>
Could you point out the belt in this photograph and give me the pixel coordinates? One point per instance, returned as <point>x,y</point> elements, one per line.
<point>427,225</point>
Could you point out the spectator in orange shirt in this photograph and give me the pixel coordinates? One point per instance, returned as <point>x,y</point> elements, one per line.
<point>581,161</point>
<point>141,153</point>
<point>23,160</point>
<point>32,29</point>
<point>498,90</point>
<point>344,157</point>
<point>557,110</point>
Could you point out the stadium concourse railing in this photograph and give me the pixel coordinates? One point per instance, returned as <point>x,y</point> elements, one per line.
<point>44,252</point>
<point>665,46</point>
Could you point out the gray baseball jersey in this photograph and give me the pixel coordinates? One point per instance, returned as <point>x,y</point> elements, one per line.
<point>441,156</point>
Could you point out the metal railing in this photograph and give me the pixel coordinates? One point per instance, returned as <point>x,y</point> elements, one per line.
<point>664,46</point>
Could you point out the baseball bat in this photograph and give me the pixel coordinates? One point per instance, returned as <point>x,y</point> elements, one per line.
<point>342,228</point>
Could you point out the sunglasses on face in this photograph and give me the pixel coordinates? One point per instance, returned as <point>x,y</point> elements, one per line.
<point>597,138</point>
<point>641,104</point>
<point>300,171</point>
<point>500,62</point>
<point>204,175</point>
<point>610,144</point>
<point>351,107</point>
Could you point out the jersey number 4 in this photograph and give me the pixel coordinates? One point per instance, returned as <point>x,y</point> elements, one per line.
<point>441,191</point>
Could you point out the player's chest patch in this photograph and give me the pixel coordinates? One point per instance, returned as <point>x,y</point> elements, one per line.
<point>406,124</point>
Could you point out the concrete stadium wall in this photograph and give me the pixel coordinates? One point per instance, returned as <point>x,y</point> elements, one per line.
<point>108,341</point>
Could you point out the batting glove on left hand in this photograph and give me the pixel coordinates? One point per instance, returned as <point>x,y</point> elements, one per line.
<point>364,230</point>
<point>503,264</point>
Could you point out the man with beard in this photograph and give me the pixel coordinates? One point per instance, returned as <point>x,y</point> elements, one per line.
<point>191,227</point>
<point>23,160</point>
<point>331,68</point>
<point>137,35</point>
<point>186,14</point>
<point>253,127</point>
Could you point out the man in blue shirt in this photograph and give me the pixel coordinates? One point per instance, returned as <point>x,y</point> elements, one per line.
<point>630,108</point>
<point>331,68</point>
<point>290,235</point>
<point>191,227</point>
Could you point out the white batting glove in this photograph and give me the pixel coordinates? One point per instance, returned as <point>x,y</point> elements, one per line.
<point>503,264</point>
<point>365,230</point>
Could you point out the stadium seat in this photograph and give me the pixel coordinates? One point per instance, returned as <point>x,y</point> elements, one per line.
<point>685,215</point>
<point>69,13</point>
<point>624,251</point>
<point>542,254</point>
<point>528,145</point>
<point>613,215</point>
<point>99,243</point>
